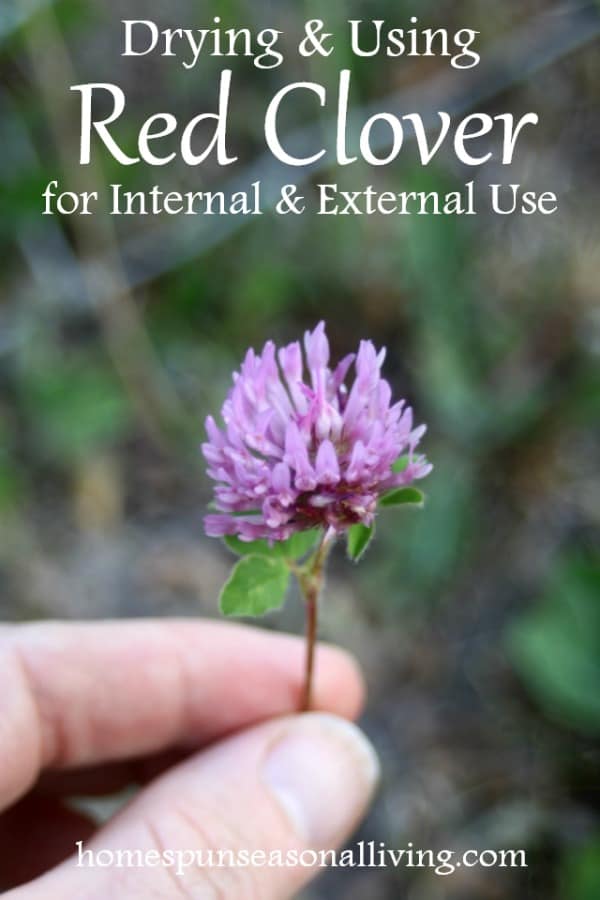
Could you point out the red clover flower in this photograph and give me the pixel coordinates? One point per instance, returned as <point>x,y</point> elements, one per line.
<point>295,455</point>
<point>302,457</point>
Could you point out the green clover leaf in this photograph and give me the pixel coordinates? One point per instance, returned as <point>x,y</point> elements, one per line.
<point>401,496</point>
<point>256,585</point>
<point>358,539</point>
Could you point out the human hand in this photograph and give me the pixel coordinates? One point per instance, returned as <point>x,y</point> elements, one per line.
<point>202,714</point>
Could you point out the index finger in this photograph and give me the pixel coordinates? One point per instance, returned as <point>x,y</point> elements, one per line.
<point>75,694</point>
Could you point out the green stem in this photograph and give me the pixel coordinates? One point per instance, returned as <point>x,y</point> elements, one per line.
<point>311,582</point>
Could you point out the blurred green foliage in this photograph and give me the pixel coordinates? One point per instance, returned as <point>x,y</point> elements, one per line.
<point>74,407</point>
<point>556,646</point>
<point>581,874</point>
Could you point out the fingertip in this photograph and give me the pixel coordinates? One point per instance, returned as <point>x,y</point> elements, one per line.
<point>273,664</point>
<point>340,684</point>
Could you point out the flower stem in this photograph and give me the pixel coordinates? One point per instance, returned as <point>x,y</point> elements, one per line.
<point>311,583</point>
<point>312,604</point>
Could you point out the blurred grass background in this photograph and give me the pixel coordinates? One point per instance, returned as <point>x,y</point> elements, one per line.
<point>477,620</point>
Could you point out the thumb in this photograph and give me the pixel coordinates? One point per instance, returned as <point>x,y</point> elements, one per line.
<point>256,800</point>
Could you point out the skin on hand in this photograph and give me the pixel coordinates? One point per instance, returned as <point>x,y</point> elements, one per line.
<point>202,713</point>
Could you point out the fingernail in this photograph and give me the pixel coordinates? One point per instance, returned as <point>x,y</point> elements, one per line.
<point>322,772</point>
